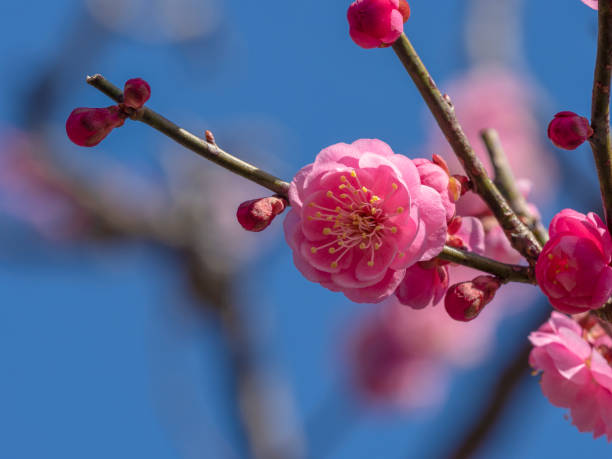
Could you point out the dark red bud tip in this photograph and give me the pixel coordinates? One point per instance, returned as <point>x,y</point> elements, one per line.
<point>257,214</point>
<point>465,300</point>
<point>568,130</point>
<point>404,9</point>
<point>136,92</point>
<point>88,126</point>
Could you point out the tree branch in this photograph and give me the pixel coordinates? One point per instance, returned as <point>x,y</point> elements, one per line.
<point>518,234</point>
<point>600,109</point>
<point>505,182</point>
<point>506,272</point>
<point>200,146</point>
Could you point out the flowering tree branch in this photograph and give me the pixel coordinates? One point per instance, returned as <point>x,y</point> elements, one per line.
<point>212,152</point>
<point>517,232</point>
<point>200,146</point>
<point>601,143</point>
<point>506,272</point>
<point>505,182</point>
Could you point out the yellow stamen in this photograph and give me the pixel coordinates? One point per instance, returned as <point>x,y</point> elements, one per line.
<point>370,263</point>
<point>394,229</point>
<point>334,264</point>
<point>400,209</point>
<point>313,250</point>
<point>327,231</point>
<point>329,194</point>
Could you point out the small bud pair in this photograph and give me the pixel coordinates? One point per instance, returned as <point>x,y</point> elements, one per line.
<point>465,300</point>
<point>257,214</point>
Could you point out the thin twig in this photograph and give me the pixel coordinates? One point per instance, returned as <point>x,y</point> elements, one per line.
<point>506,272</point>
<point>506,183</point>
<point>600,109</point>
<point>200,146</point>
<point>518,234</point>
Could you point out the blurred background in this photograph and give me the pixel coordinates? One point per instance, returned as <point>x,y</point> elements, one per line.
<point>139,320</point>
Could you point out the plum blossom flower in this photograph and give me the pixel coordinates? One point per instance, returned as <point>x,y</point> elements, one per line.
<point>576,373</point>
<point>360,216</point>
<point>574,269</point>
<point>375,23</point>
<point>591,3</point>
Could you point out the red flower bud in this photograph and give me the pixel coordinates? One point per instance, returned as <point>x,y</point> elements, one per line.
<point>404,9</point>
<point>257,214</point>
<point>375,23</point>
<point>465,300</point>
<point>88,126</point>
<point>568,130</point>
<point>136,92</point>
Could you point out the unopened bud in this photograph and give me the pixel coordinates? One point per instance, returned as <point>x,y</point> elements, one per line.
<point>257,214</point>
<point>466,184</point>
<point>88,126</point>
<point>404,8</point>
<point>465,300</point>
<point>568,130</point>
<point>136,92</point>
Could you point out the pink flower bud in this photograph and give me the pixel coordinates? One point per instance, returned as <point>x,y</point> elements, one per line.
<point>465,300</point>
<point>88,126</point>
<point>425,283</point>
<point>568,130</point>
<point>375,23</point>
<point>573,269</point>
<point>136,92</point>
<point>257,214</point>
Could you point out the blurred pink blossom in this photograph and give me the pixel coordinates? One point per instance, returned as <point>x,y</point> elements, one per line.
<point>576,373</point>
<point>592,3</point>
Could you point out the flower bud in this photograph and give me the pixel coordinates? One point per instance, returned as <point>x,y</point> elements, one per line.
<point>405,10</point>
<point>465,300</point>
<point>257,214</point>
<point>375,23</point>
<point>136,92</point>
<point>568,130</point>
<point>88,126</point>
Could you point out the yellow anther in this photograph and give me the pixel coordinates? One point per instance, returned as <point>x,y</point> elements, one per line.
<point>318,214</point>
<point>374,199</point>
<point>394,186</point>
<point>401,254</point>
<point>364,235</point>
<point>334,264</point>
<point>342,178</point>
<point>310,217</point>
<point>338,209</point>
<point>353,174</point>
<point>313,250</point>
<point>340,242</point>
<point>379,227</point>
<point>364,189</point>
<point>373,211</point>
<point>394,229</point>
<point>329,194</point>
<point>370,263</point>
<point>327,231</point>
<point>362,246</point>
<point>400,209</point>
<point>342,186</point>
<point>377,246</point>
<point>312,204</point>
<point>344,196</point>
<point>330,218</point>
<point>550,256</point>
<point>332,250</point>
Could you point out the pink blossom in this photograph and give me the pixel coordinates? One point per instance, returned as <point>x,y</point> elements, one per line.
<point>591,3</point>
<point>136,92</point>
<point>576,374</point>
<point>573,269</point>
<point>568,130</point>
<point>375,23</point>
<point>436,177</point>
<point>87,127</point>
<point>257,214</point>
<point>360,216</point>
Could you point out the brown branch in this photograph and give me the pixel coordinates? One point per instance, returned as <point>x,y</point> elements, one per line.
<point>518,234</point>
<point>194,143</point>
<point>600,109</point>
<point>505,182</point>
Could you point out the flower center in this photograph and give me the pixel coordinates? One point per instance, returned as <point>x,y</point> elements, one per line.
<point>358,220</point>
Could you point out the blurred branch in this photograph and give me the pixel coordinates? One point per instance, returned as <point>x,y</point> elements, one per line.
<point>507,382</point>
<point>506,183</point>
<point>601,144</point>
<point>194,143</point>
<point>518,234</point>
